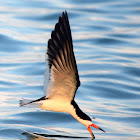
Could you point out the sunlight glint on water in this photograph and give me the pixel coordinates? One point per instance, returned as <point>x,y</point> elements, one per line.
<point>106,44</point>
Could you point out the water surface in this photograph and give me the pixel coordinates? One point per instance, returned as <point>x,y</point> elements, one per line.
<point>106,38</point>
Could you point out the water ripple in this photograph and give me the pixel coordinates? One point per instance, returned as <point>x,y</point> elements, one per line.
<point>106,45</point>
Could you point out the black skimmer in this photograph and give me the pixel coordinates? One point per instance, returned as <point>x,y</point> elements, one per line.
<point>61,76</point>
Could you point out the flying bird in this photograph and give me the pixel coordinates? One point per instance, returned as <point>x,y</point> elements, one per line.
<point>61,76</point>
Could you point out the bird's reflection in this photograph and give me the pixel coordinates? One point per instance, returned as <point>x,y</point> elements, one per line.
<point>33,136</point>
<point>38,136</point>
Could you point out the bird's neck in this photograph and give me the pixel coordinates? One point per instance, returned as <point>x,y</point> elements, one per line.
<point>78,114</point>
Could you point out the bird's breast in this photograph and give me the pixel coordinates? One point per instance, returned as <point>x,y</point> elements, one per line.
<point>57,105</point>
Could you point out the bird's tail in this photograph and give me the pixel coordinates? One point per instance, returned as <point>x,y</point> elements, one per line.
<point>29,103</point>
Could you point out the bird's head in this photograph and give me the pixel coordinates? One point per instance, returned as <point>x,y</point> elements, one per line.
<point>95,126</point>
<point>83,118</point>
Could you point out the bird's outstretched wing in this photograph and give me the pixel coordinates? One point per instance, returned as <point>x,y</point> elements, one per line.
<point>63,74</point>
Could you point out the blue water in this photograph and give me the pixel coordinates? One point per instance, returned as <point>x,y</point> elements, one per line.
<point>106,37</point>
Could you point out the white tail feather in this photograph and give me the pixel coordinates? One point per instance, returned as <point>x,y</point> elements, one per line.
<point>29,103</point>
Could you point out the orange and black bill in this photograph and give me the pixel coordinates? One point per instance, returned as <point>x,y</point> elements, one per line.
<point>90,131</point>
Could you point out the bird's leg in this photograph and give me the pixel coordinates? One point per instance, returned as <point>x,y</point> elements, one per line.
<point>90,131</point>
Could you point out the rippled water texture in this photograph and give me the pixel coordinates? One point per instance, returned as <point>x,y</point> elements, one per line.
<point>106,37</point>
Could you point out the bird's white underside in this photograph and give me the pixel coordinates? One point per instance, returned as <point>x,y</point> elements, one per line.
<point>65,106</point>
